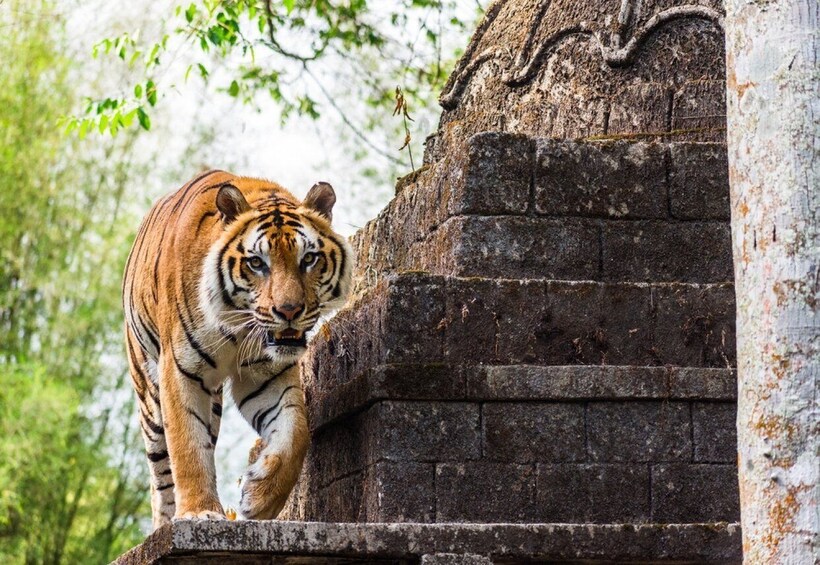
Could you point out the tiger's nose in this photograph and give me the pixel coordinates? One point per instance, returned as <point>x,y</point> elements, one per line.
<point>288,311</point>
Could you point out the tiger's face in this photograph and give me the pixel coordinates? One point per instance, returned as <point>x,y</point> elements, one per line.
<point>276,269</point>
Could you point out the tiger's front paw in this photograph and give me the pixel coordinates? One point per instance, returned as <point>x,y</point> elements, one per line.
<point>263,494</point>
<point>200,515</point>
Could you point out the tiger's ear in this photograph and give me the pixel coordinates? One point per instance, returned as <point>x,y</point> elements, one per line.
<point>231,203</point>
<point>321,198</point>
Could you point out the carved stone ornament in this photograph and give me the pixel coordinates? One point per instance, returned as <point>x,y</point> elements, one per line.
<point>568,69</point>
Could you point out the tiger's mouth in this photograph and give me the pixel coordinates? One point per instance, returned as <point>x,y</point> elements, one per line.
<point>289,337</point>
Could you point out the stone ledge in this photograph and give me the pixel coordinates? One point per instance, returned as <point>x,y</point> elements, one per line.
<point>559,248</point>
<point>529,383</point>
<point>253,542</point>
<point>421,318</point>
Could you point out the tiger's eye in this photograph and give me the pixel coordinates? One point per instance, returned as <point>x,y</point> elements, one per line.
<point>256,263</point>
<point>309,259</point>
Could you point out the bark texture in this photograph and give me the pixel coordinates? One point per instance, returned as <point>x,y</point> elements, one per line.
<point>772,53</point>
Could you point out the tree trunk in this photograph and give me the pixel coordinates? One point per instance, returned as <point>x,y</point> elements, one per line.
<point>772,57</point>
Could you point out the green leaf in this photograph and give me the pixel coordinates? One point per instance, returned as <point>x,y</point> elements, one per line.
<point>143,118</point>
<point>85,125</point>
<point>128,118</point>
<point>103,123</point>
<point>233,90</point>
<point>138,91</point>
<point>289,5</point>
<point>151,92</point>
<point>152,59</point>
<point>190,13</point>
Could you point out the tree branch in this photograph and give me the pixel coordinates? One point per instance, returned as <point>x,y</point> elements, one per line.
<point>356,131</point>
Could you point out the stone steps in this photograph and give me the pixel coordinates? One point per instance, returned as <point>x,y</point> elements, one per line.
<point>507,206</point>
<point>252,542</point>
<point>422,318</point>
<point>573,444</point>
<point>544,333</point>
<point>443,382</point>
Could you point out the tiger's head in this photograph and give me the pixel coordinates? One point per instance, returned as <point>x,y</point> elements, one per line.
<point>277,267</point>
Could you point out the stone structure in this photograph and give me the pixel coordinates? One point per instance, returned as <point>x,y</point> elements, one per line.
<point>247,543</point>
<point>567,69</point>
<point>562,354</point>
<point>544,326</point>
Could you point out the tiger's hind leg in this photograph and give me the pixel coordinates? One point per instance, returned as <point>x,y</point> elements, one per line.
<point>153,434</point>
<point>273,404</point>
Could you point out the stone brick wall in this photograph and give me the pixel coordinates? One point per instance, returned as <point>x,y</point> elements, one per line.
<point>525,444</point>
<point>418,317</point>
<point>544,333</point>
<point>505,206</point>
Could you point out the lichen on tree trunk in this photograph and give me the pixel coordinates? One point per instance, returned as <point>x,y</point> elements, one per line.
<point>773,86</point>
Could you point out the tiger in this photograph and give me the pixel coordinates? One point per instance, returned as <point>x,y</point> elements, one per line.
<point>225,279</point>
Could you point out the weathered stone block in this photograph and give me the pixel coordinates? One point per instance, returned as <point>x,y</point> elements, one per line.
<point>337,451</point>
<point>579,382</point>
<point>695,324</point>
<point>483,491</point>
<point>415,318</point>
<point>411,318</point>
<point>639,431</point>
<point>455,559</point>
<point>582,322</point>
<point>435,381</point>
<point>698,108</point>
<point>400,492</point>
<point>461,216</point>
<point>480,383</point>
<point>474,308</point>
<point>424,431</point>
<point>640,107</point>
<point>496,178</point>
<point>715,432</point>
<point>622,333</point>
<point>522,248</point>
<point>695,493</point>
<point>666,251</point>
<point>566,328</point>
<point>524,306</point>
<point>530,432</point>
<point>314,543</point>
<point>692,383</point>
<point>340,501</point>
<point>593,493</point>
<point>699,181</point>
<point>602,180</point>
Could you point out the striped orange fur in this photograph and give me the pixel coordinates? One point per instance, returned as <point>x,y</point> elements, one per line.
<point>225,277</point>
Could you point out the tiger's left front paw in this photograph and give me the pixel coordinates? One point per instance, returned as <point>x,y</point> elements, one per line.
<point>201,515</point>
<point>263,494</point>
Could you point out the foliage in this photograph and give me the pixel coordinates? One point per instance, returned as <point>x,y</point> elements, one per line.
<point>247,47</point>
<point>61,253</point>
<point>61,500</point>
